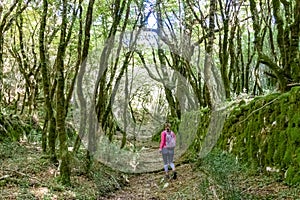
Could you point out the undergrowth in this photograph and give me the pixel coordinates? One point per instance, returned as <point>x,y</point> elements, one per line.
<point>27,173</point>
<point>221,176</point>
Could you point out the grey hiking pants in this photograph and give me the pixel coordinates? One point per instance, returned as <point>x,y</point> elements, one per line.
<point>168,156</point>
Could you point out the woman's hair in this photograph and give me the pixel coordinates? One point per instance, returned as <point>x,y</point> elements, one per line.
<point>167,125</point>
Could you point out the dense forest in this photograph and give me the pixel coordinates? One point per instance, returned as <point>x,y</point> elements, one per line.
<point>91,84</point>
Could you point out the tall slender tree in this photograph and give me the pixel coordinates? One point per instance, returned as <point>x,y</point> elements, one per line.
<point>65,171</point>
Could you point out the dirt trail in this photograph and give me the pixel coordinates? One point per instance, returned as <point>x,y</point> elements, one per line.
<point>34,177</point>
<point>199,183</point>
<point>153,186</point>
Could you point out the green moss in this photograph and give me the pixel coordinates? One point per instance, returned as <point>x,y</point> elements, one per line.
<point>244,108</point>
<point>288,156</point>
<point>284,97</point>
<point>294,134</point>
<point>266,131</point>
<point>232,120</point>
<point>256,124</point>
<point>292,176</point>
<point>263,154</point>
<point>290,172</point>
<point>259,104</point>
<point>281,122</point>
<point>281,148</point>
<point>238,146</point>
<point>242,102</point>
<point>278,155</point>
<point>295,95</point>
<point>236,111</point>
<point>271,97</point>
<point>289,114</point>
<point>295,119</point>
<point>296,179</point>
<point>271,150</point>
<point>260,118</point>
<point>297,157</point>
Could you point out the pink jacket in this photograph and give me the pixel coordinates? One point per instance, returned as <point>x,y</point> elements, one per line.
<point>163,139</point>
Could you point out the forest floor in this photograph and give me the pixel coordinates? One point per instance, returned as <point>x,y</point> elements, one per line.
<point>194,182</point>
<point>26,173</point>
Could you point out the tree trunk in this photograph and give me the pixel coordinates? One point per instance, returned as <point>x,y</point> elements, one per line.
<point>175,112</point>
<point>215,87</point>
<point>80,69</point>
<point>223,47</point>
<point>92,117</point>
<point>294,46</point>
<point>46,87</point>
<point>4,26</point>
<point>65,170</point>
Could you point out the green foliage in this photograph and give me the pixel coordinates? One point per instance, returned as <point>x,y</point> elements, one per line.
<point>270,150</point>
<point>14,127</point>
<point>292,176</point>
<point>280,148</point>
<point>7,147</point>
<point>221,171</point>
<point>29,173</point>
<point>221,163</point>
<point>106,179</point>
<point>156,136</point>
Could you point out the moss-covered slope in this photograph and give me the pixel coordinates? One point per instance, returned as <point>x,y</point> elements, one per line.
<point>266,133</point>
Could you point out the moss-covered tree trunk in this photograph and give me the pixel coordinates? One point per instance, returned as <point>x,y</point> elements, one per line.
<point>286,19</point>
<point>65,171</point>
<point>49,118</point>
<point>102,88</point>
<point>234,64</point>
<point>107,116</point>
<point>6,22</point>
<point>91,133</point>
<point>175,111</point>
<point>294,46</point>
<point>223,46</point>
<point>214,86</point>
<point>2,32</point>
<point>81,67</point>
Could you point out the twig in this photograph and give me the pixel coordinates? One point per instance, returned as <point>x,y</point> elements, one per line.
<point>293,84</point>
<point>214,192</point>
<point>22,174</point>
<point>5,177</point>
<point>248,189</point>
<point>118,185</point>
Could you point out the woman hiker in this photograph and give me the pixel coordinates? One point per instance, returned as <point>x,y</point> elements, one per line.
<point>167,146</point>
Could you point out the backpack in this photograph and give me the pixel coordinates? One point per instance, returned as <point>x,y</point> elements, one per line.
<point>170,139</point>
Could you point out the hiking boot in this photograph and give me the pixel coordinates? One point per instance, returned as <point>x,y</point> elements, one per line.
<point>167,177</point>
<point>174,175</point>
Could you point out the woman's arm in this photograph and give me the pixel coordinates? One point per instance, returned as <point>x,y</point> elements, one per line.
<point>162,140</point>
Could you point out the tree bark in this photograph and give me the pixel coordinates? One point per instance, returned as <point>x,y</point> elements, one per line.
<point>5,24</point>
<point>215,87</point>
<point>46,89</point>
<point>65,170</point>
<point>223,46</point>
